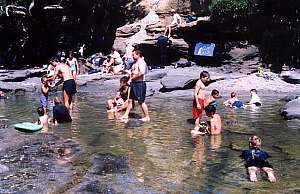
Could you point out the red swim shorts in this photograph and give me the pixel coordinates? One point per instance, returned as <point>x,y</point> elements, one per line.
<point>197,113</point>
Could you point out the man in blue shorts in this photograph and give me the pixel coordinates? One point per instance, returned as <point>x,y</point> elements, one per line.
<point>138,85</point>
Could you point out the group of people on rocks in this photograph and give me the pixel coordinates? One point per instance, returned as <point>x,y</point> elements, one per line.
<point>113,63</point>
<point>254,157</point>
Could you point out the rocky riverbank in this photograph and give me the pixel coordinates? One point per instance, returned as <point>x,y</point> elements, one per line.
<point>50,164</point>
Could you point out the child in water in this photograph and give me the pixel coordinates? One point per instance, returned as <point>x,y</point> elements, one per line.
<point>255,100</point>
<point>43,118</point>
<point>233,101</point>
<point>256,158</point>
<point>212,126</point>
<point>117,103</point>
<point>45,87</point>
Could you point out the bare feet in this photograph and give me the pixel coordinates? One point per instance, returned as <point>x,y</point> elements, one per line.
<point>270,174</point>
<point>145,119</point>
<point>253,177</point>
<point>252,173</point>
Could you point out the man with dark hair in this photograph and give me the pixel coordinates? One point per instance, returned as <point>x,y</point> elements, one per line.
<point>138,85</point>
<point>69,85</point>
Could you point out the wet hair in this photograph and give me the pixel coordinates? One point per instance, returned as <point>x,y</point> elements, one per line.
<point>233,94</point>
<point>57,100</point>
<point>40,111</point>
<point>210,109</point>
<point>138,52</point>
<point>124,79</point>
<point>215,92</point>
<point>204,74</point>
<point>54,59</point>
<point>253,90</point>
<point>254,141</point>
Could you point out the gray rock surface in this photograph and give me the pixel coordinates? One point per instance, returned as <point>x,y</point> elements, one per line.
<point>3,168</point>
<point>292,77</point>
<point>292,109</point>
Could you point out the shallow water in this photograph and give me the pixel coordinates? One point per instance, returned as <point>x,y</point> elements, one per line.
<point>165,158</point>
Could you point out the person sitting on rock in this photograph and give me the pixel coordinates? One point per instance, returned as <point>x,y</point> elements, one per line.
<point>256,158</point>
<point>233,101</point>
<point>107,66</point>
<point>176,21</point>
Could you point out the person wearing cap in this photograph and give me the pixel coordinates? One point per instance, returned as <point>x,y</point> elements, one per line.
<point>176,21</point>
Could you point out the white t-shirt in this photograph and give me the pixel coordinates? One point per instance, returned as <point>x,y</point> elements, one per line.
<point>117,57</point>
<point>254,99</point>
<point>176,19</point>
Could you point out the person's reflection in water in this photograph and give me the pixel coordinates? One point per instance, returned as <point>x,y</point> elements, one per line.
<point>215,142</point>
<point>198,157</point>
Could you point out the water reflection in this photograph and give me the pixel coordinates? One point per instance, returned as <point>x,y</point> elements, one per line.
<point>162,154</point>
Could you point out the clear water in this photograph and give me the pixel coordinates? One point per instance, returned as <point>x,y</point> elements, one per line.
<point>165,158</point>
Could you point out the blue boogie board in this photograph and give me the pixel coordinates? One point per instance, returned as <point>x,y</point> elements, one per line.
<point>28,127</point>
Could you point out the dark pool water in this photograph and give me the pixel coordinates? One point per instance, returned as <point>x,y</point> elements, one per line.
<point>165,158</point>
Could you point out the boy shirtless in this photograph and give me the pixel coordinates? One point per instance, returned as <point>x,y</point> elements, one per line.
<point>214,124</point>
<point>215,120</point>
<point>69,85</point>
<point>199,96</point>
<point>211,99</point>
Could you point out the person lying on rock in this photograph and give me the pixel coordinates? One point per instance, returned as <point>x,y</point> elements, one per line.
<point>256,158</point>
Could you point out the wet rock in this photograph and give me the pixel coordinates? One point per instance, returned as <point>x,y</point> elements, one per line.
<point>95,187</point>
<point>291,110</point>
<point>293,77</point>
<point>3,168</point>
<point>155,75</point>
<point>185,78</point>
<point>108,163</point>
<point>35,164</point>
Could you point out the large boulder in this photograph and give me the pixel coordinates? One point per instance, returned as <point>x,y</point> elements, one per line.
<point>292,77</point>
<point>292,109</point>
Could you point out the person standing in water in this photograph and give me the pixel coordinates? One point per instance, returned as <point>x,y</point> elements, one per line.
<point>199,97</point>
<point>69,85</point>
<point>138,86</point>
<point>73,63</point>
